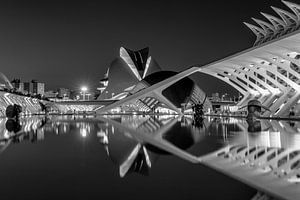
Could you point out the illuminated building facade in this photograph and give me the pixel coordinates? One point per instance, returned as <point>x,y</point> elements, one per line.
<point>270,70</point>
<point>134,71</point>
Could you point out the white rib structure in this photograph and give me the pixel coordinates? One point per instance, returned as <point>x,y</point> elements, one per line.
<point>269,71</point>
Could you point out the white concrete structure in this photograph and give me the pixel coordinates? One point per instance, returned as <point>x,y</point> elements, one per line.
<point>29,105</point>
<point>269,71</point>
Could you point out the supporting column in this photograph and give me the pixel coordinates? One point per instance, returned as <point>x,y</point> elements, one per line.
<point>245,100</point>
<point>277,104</point>
<point>292,101</point>
<point>268,102</point>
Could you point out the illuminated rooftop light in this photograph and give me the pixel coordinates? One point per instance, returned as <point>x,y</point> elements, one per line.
<point>84,88</point>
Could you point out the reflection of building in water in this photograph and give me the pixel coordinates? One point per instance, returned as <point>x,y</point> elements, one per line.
<point>146,123</point>
<point>269,160</point>
<point>15,131</point>
<point>134,152</point>
<point>125,151</point>
<point>66,124</point>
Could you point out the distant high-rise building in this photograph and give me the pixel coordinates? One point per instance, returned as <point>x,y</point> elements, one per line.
<point>50,94</point>
<point>37,88</point>
<point>26,89</point>
<point>63,93</point>
<point>16,83</point>
<point>34,87</point>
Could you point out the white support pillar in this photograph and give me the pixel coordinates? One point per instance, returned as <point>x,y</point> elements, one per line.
<point>278,103</point>
<point>292,101</point>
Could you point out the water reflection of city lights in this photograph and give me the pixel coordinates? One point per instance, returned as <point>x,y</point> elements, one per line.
<point>83,132</point>
<point>103,136</point>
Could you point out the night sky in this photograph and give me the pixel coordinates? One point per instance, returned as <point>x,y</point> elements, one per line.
<point>68,44</point>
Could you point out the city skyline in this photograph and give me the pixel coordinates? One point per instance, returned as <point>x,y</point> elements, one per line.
<point>75,43</point>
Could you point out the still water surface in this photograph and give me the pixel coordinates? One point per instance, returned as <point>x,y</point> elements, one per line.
<point>114,157</point>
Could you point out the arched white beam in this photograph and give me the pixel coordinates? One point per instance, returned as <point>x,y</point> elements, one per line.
<point>286,62</point>
<point>278,62</point>
<point>273,69</point>
<point>6,81</point>
<point>259,32</point>
<point>155,139</point>
<point>250,72</point>
<point>234,77</point>
<point>286,16</point>
<point>265,93</point>
<point>268,28</point>
<point>291,102</point>
<point>277,23</point>
<point>153,91</point>
<point>257,62</point>
<point>262,71</point>
<point>225,79</point>
<point>276,93</point>
<point>230,77</point>
<point>285,99</point>
<point>294,7</point>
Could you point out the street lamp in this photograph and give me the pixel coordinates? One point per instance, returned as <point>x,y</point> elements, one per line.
<point>83,90</point>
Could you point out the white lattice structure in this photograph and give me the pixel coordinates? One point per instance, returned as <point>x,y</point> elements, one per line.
<point>29,105</point>
<point>270,71</point>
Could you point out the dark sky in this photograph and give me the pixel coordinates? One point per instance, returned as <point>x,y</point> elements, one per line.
<point>68,44</point>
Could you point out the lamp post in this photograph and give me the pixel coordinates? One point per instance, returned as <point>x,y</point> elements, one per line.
<point>83,90</point>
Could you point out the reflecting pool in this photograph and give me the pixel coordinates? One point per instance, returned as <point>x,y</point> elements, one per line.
<point>149,157</point>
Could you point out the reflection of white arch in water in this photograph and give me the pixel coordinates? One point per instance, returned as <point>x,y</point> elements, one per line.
<point>154,138</point>
<point>273,169</point>
<point>268,161</point>
<point>3,131</point>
